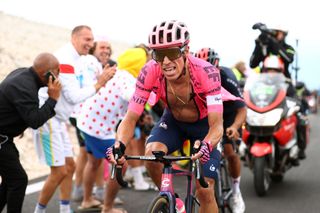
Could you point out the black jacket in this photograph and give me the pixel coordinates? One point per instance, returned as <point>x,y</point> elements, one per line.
<point>19,103</point>
<point>266,45</point>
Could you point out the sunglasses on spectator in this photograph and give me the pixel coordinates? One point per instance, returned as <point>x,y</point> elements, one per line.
<point>172,53</point>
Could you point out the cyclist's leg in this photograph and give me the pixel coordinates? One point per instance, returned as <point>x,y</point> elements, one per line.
<point>234,167</point>
<point>166,137</point>
<point>206,196</point>
<point>234,164</point>
<point>199,130</point>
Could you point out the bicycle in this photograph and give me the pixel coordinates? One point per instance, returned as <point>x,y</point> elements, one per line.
<point>223,189</point>
<point>165,202</point>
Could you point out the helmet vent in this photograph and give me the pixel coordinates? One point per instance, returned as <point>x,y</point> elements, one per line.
<point>169,37</point>
<point>153,39</point>
<point>161,36</point>
<point>162,24</point>
<point>178,34</point>
<point>170,26</point>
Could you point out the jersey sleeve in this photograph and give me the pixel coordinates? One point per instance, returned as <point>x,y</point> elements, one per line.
<point>143,89</point>
<point>214,97</point>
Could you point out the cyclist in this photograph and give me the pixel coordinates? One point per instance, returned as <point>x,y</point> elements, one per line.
<point>234,115</point>
<point>191,90</point>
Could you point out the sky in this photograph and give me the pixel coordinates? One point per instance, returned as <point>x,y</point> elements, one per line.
<point>225,25</point>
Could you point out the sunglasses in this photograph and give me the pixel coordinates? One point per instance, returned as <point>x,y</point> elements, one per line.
<point>172,53</point>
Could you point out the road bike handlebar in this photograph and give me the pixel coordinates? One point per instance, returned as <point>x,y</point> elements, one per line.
<point>162,158</point>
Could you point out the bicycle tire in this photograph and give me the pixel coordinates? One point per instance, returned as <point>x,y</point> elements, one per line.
<point>159,204</point>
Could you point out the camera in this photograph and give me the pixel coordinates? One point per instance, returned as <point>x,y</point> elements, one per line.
<point>263,28</point>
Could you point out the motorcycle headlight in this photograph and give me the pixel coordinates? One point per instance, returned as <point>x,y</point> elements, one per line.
<point>270,118</point>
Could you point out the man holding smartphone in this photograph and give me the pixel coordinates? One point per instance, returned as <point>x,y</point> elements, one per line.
<point>19,109</point>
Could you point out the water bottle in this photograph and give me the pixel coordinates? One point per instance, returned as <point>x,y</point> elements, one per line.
<point>180,208</point>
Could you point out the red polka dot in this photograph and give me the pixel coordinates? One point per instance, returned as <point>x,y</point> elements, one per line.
<point>98,113</point>
<point>101,124</point>
<point>113,122</point>
<point>93,120</point>
<point>105,117</point>
<point>109,91</point>
<point>113,84</point>
<point>121,107</point>
<point>109,110</point>
<point>83,123</point>
<point>105,98</point>
<point>117,96</point>
<point>99,93</point>
<point>97,132</point>
<point>109,129</point>
<point>113,103</point>
<point>90,108</point>
<point>90,127</point>
<point>117,115</point>
<point>95,101</point>
<point>81,105</point>
<point>101,105</point>
<point>87,115</point>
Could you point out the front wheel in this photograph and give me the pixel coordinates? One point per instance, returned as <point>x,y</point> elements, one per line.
<point>261,176</point>
<point>159,204</point>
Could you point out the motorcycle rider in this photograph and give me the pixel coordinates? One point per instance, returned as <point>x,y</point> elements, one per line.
<point>234,115</point>
<point>272,42</point>
<point>275,64</point>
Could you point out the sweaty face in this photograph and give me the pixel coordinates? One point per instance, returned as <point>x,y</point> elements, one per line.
<point>102,52</point>
<point>83,41</point>
<point>172,69</point>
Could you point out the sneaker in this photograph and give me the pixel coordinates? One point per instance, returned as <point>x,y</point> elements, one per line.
<point>77,194</point>
<point>143,186</point>
<point>180,208</point>
<point>118,201</point>
<point>238,205</point>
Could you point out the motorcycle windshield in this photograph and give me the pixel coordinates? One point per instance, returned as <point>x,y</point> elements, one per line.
<point>264,88</point>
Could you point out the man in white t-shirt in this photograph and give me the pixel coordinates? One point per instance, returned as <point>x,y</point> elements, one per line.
<point>52,141</point>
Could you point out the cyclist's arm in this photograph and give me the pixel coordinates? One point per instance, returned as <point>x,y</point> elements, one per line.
<point>126,128</point>
<point>215,128</point>
<point>240,117</point>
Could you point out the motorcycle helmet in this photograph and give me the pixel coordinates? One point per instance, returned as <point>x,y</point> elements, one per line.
<point>169,34</point>
<point>208,55</point>
<point>273,62</point>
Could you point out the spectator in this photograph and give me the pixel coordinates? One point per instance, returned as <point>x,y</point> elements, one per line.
<point>19,109</point>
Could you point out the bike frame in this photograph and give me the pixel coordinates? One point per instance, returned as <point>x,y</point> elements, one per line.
<point>167,187</point>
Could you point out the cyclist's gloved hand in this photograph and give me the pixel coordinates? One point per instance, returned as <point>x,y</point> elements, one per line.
<point>203,150</point>
<point>115,152</point>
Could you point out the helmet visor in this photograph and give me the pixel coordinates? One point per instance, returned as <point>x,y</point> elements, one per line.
<point>171,53</point>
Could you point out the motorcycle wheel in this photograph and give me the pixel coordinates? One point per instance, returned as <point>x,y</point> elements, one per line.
<point>261,176</point>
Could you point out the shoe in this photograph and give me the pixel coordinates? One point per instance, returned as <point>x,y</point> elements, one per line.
<point>99,194</point>
<point>77,194</point>
<point>301,154</point>
<point>118,201</point>
<point>143,186</point>
<point>238,205</point>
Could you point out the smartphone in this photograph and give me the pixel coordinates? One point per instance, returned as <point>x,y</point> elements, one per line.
<point>111,63</point>
<point>48,74</point>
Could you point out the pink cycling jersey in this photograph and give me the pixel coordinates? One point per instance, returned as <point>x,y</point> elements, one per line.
<point>205,80</point>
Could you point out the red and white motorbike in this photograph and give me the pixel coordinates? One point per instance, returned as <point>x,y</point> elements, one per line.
<point>270,134</point>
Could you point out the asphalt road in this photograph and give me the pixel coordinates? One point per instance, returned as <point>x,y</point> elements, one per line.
<point>299,191</point>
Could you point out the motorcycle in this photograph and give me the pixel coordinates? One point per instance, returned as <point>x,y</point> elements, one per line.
<point>270,133</point>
